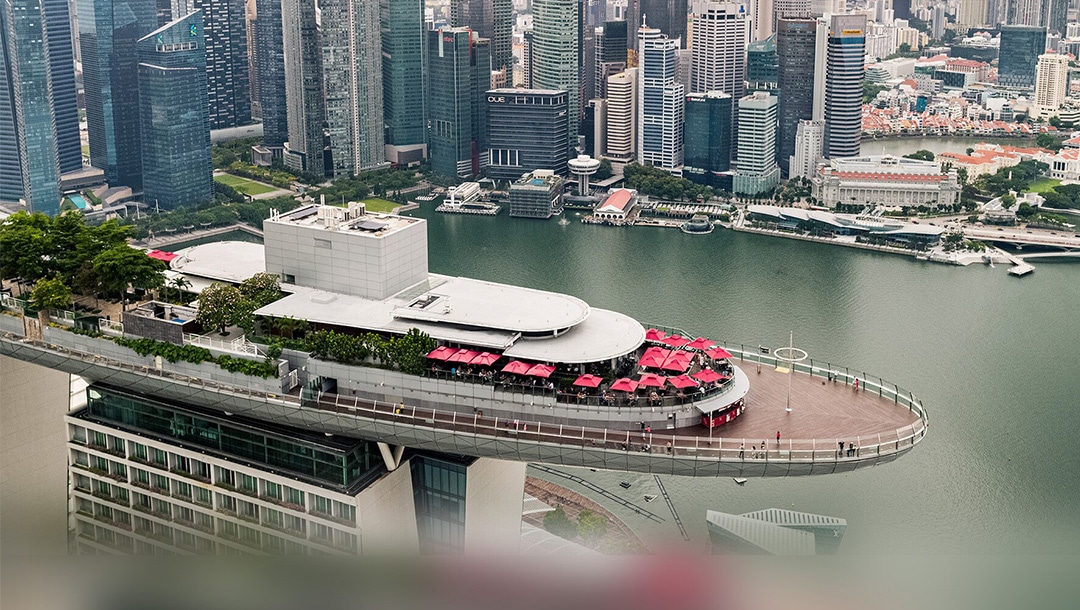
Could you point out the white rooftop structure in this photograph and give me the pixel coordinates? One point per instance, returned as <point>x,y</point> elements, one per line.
<point>223,261</point>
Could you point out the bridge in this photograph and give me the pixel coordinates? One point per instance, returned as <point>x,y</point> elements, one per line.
<point>1026,238</point>
<point>1063,254</point>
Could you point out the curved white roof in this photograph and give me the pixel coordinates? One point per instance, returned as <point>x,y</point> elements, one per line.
<point>224,261</point>
<point>605,335</point>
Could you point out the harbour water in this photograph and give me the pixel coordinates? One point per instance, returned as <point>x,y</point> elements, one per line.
<point>993,357</point>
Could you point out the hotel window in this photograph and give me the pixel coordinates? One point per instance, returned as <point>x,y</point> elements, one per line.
<point>185,539</point>
<point>99,463</point>
<point>204,521</point>
<point>102,488</point>
<point>82,482</point>
<point>182,490</point>
<point>249,535</point>
<point>82,459</point>
<point>118,470</point>
<point>122,517</point>
<point>344,540</point>
<point>273,490</point>
<point>200,469</point>
<point>101,511</point>
<point>228,529</point>
<point>120,494</point>
<point>249,484</point>
<point>346,512</point>
<point>140,476</point>
<point>181,464</point>
<point>106,536</point>
<point>273,518</point>
<point>143,548</point>
<point>295,524</point>
<point>293,547</point>
<point>82,505</point>
<point>143,525</point>
<point>163,533</point>
<point>98,439</point>
<point>321,505</point>
<point>294,496</point>
<point>78,434</point>
<point>162,508</point>
<point>249,510</point>
<point>117,444</point>
<point>86,529</point>
<point>203,496</point>
<point>142,501</point>
<point>274,544</point>
<point>321,532</point>
<point>158,457</point>
<point>159,483</point>
<point>204,546</point>
<point>183,513</point>
<point>226,503</point>
<point>138,451</point>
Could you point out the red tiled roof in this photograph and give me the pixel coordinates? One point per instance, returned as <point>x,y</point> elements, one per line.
<point>619,200</point>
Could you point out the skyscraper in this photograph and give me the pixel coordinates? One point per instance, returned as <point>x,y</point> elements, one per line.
<point>27,124</point>
<point>720,32</point>
<point>491,19</point>
<point>1051,81</point>
<point>226,58</point>
<point>58,24</point>
<point>757,172</point>
<point>527,131</point>
<point>555,52</point>
<point>621,144</point>
<point>403,68</point>
<point>1021,46</point>
<point>761,64</point>
<point>270,65</point>
<point>668,16</point>
<point>809,140</point>
<point>1056,15</point>
<point>660,102</point>
<point>796,44</point>
<point>972,13</point>
<point>174,113</point>
<point>459,73</point>
<point>303,87</point>
<point>352,72</point>
<point>844,85</point>
<point>708,136</point>
<point>108,32</point>
<point>610,53</point>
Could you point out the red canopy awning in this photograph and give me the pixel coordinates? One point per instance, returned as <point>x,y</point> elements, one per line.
<point>652,361</point>
<point>517,367</point>
<point>701,343</point>
<point>161,256</point>
<point>654,335</point>
<point>675,341</point>
<point>650,380</point>
<point>718,354</point>
<point>657,351</point>
<point>679,361</point>
<point>707,375</point>
<point>464,356</point>
<point>624,385</point>
<point>682,381</point>
<point>441,353</point>
<point>485,359</point>
<point>541,370</point>
<point>588,381</point>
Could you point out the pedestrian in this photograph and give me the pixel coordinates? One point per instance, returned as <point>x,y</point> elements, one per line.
<point>753,451</point>
<point>777,438</point>
<point>856,384</point>
<point>742,450</point>
<point>841,454</point>
<point>642,422</point>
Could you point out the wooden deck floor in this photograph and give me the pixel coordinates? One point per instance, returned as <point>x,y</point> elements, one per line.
<point>819,409</point>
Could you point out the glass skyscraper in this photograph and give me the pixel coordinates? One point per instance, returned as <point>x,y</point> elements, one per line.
<point>404,75</point>
<point>64,92</point>
<point>270,66</point>
<point>660,102</point>
<point>491,19</point>
<point>1021,46</point>
<point>306,110</point>
<point>556,55</point>
<point>459,72</point>
<point>175,114</point>
<point>796,41</point>
<point>226,58</point>
<point>844,85</point>
<point>707,149</point>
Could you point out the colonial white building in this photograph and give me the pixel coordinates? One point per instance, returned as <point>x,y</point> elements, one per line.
<point>885,180</point>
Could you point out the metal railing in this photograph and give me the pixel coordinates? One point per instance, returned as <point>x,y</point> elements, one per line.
<point>240,345</point>
<point>110,327</point>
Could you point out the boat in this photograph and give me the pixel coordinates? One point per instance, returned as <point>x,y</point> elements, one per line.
<point>739,480</point>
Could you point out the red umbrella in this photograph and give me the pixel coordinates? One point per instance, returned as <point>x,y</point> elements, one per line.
<point>650,380</point>
<point>463,356</point>
<point>654,335</point>
<point>517,367</point>
<point>682,381</point>
<point>541,370</point>
<point>676,341</point>
<point>588,381</point>
<point>624,385</point>
<point>718,354</point>
<point>657,351</point>
<point>652,361</point>
<point>707,375</point>
<point>680,361</point>
<point>484,359</point>
<point>441,353</point>
<point>701,343</point>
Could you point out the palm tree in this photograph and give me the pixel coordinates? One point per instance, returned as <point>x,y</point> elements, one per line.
<point>179,283</point>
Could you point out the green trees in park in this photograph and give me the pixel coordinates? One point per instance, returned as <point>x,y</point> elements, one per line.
<point>921,155</point>
<point>1048,141</point>
<point>122,266</point>
<point>656,182</point>
<point>591,527</point>
<point>604,171</point>
<point>559,524</point>
<point>1063,196</point>
<point>49,294</point>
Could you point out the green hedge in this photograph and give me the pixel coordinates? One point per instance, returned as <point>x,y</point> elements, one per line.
<point>196,355</point>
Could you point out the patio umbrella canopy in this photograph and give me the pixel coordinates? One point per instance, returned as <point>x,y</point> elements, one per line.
<point>679,361</point>
<point>707,375</point>
<point>485,359</point>
<point>441,353</point>
<point>676,341</point>
<point>517,367</point>
<point>657,351</point>
<point>541,370</point>
<point>682,381</point>
<point>624,385</point>
<point>588,381</point>
<point>463,356</point>
<point>654,335</point>
<point>652,361</point>
<point>718,354</point>
<point>701,343</point>
<point>649,380</point>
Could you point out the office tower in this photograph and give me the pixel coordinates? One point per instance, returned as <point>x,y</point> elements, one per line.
<point>844,85</point>
<point>490,19</point>
<point>27,125</point>
<point>668,16</point>
<point>556,54</point>
<point>660,102</point>
<point>902,9</point>
<point>708,136</point>
<point>972,13</point>
<point>304,151</point>
<point>1051,81</point>
<point>352,73</point>
<point>1021,46</point>
<point>791,9</point>
<point>721,33</point>
<point>174,114</point>
<point>403,67</point>
<point>684,64</point>
<point>796,49</point>
<point>270,66</point>
<point>226,58</point>
<point>761,19</point>
<point>58,26</point>
<point>621,142</point>
<point>610,53</point>
<point>596,140</point>
<point>252,21</point>
<point>108,33</point>
<point>459,73</point>
<point>527,59</point>
<point>538,194</point>
<point>527,130</point>
<point>937,22</point>
<point>1056,15</point>
<point>757,172</point>
<point>761,64</point>
<point>588,65</point>
<point>809,142</point>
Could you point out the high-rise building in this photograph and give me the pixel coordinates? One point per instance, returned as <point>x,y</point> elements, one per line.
<point>792,9</point>
<point>28,131</point>
<point>108,33</point>
<point>403,48</point>
<point>1051,82</point>
<point>270,66</point>
<point>720,32</point>
<point>490,19</point>
<point>668,16</point>
<point>972,13</point>
<point>809,142</point>
<point>587,67</point>
<point>174,114</point>
<point>527,130</point>
<point>660,102</point>
<point>305,148</point>
<point>556,54</point>
<point>65,106</point>
<point>537,194</point>
<point>226,58</point>
<point>527,48</point>
<point>352,73</point>
<point>761,19</point>
<point>844,85</point>
<point>761,64</point>
<point>459,73</point>
<point>610,53</point>
<point>252,21</point>
<point>1021,46</point>
<point>796,49</point>
<point>708,136</point>
<point>621,141</point>
<point>1056,15</point>
<point>937,22</point>
<point>757,172</point>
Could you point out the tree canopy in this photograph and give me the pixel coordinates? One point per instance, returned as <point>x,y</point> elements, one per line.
<point>921,155</point>
<point>219,305</point>
<point>656,182</point>
<point>122,266</point>
<point>50,293</point>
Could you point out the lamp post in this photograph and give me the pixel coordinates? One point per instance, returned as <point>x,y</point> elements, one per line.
<point>792,356</point>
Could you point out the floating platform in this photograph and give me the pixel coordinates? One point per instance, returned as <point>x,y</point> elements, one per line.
<point>488,210</point>
<point>1021,269</point>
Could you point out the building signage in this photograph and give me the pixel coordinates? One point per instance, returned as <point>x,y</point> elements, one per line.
<point>497,100</point>
<point>852,32</point>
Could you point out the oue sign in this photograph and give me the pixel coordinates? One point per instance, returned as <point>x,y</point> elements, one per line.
<point>497,100</point>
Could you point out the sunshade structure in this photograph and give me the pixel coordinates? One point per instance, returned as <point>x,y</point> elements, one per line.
<point>652,361</point>
<point>165,257</point>
<point>707,375</point>
<point>517,367</point>
<point>675,341</point>
<point>649,380</point>
<point>678,361</point>
<point>701,343</point>
<point>464,356</point>
<point>484,359</point>
<point>718,353</point>
<point>441,353</point>
<point>541,370</point>
<point>588,381</point>
<point>682,381</point>
<point>654,335</point>
<point>624,385</point>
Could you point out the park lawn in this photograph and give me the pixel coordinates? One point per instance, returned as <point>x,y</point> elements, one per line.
<point>1043,185</point>
<point>378,204</point>
<point>243,185</point>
